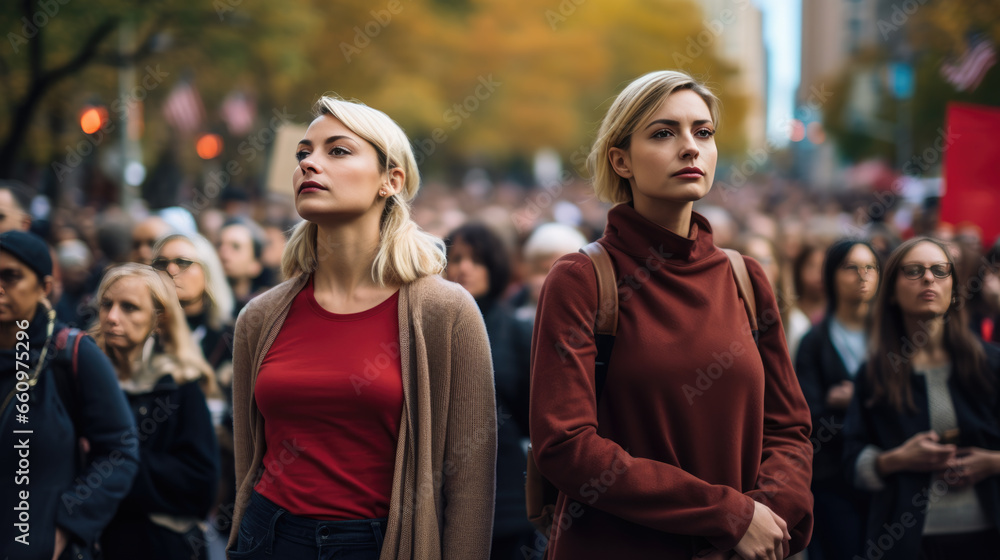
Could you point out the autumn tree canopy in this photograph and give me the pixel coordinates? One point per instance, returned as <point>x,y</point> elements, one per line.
<point>484,79</point>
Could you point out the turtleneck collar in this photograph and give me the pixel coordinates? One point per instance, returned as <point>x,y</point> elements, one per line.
<point>631,233</point>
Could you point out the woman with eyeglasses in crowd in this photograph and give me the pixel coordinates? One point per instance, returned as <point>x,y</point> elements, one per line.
<point>826,365</point>
<point>923,428</point>
<point>142,329</point>
<point>194,266</point>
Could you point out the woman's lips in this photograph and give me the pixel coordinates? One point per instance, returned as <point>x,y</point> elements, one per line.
<point>689,173</point>
<point>311,186</point>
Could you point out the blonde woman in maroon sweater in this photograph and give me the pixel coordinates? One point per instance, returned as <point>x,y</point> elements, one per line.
<point>699,443</point>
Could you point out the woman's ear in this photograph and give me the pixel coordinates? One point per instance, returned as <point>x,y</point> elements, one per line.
<point>395,179</point>
<point>621,162</point>
<point>46,283</point>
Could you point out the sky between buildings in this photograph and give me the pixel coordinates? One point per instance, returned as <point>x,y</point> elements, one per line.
<point>783,39</point>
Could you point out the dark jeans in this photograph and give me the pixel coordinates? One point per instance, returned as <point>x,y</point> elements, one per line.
<point>964,546</point>
<point>268,531</point>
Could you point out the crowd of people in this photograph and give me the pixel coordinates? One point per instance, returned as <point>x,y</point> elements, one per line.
<point>321,372</point>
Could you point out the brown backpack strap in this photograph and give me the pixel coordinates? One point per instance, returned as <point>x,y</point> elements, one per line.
<point>607,289</point>
<point>744,286</point>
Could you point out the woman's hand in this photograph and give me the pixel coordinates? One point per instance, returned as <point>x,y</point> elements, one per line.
<point>973,465</point>
<point>920,453</point>
<point>765,538</point>
<point>839,396</point>
<point>61,541</point>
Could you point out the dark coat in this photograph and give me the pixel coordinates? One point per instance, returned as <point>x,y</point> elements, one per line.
<point>178,472</point>
<point>80,501</point>
<point>896,516</point>
<point>819,367</point>
<point>511,373</point>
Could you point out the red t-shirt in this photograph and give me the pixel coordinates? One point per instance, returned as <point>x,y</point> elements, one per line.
<point>331,394</point>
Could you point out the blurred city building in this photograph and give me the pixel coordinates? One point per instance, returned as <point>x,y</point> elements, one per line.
<point>740,43</point>
<point>833,31</point>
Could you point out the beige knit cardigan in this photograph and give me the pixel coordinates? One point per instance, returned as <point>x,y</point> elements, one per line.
<point>441,506</point>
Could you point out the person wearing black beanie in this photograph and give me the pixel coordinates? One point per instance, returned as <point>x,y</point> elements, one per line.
<point>58,391</point>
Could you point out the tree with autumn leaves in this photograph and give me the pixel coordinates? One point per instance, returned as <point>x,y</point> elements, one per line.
<point>928,35</point>
<point>487,80</point>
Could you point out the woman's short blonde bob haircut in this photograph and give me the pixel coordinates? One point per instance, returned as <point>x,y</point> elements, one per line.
<point>633,106</point>
<point>405,253</point>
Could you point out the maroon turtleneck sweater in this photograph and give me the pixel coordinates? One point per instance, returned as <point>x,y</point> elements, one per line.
<point>695,421</point>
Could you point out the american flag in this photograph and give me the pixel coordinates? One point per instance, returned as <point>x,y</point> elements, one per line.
<point>183,108</point>
<point>238,111</point>
<point>968,71</point>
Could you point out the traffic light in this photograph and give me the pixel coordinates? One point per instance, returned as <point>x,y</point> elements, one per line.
<point>209,146</point>
<point>93,118</point>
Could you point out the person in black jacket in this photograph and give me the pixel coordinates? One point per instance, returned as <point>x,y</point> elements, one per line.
<point>54,506</point>
<point>163,374</point>
<point>826,365</point>
<point>479,262</point>
<point>923,428</point>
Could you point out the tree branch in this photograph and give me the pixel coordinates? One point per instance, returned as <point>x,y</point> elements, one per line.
<point>121,60</point>
<point>41,83</point>
<point>82,57</point>
<point>5,78</point>
<point>35,46</point>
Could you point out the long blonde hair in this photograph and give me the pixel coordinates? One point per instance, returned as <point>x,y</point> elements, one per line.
<point>636,103</point>
<point>186,361</point>
<point>405,252</point>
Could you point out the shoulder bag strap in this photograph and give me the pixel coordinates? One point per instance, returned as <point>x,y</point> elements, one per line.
<point>606,322</point>
<point>745,288</point>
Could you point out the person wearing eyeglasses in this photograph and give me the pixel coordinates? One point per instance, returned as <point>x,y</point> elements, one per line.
<point>207,300</point>
<point>923,428</point>
<point>205,296</point>
<point>826,364</point>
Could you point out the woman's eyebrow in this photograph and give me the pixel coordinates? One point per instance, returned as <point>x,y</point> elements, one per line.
<point>330,140</point>
<point>669,122</point>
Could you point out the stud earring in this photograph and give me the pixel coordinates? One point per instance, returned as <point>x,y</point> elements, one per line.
<point>381,193</point>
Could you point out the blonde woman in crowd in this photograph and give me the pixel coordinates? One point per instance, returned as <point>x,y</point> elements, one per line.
<point>364,412</point>
<point>193,264</point>
<point>660,463</point>
<point>142,330</point>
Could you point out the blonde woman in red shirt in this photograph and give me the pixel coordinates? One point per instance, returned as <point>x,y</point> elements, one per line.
<point>698,444</point>
<point>364,416</point>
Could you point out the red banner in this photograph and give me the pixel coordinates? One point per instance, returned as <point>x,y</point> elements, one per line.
<point>971,170</point>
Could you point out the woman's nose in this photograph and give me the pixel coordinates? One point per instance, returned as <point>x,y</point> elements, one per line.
<point>307,164</point>
<point>690,148</point>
